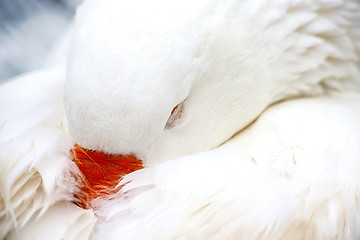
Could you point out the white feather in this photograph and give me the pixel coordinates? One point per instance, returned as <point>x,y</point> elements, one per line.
<point>292,174</point>
<point>215,174</point>
<point>208,55</point>
<point>35,170</point>
<point>61,221</point>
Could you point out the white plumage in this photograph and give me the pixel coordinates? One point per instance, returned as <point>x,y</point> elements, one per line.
<point>291,174</point>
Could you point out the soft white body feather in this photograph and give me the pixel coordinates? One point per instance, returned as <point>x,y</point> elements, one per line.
<point>292,174</point>
<point>35,168</point>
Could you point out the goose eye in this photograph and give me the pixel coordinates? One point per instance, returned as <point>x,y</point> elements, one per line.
<point>175,115</point>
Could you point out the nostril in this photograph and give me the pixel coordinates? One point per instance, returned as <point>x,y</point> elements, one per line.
<point>100,172</point>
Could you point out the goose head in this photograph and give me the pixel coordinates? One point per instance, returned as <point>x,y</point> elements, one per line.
<point>162,79</point>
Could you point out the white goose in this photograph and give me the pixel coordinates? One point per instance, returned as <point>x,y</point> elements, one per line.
<point>176,84</point>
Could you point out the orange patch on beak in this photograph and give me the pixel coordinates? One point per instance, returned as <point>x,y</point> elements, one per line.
<point>101,173</point>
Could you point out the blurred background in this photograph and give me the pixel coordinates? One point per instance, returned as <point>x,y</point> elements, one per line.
<point>28,30</point>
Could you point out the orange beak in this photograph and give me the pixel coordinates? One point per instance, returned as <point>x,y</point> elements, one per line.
<point>101,173</point>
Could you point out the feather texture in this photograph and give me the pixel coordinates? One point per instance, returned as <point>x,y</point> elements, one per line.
<point>216,173</point>
<point>272,181</point>
<point>35,170</point>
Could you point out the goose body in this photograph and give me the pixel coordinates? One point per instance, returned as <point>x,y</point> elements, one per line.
<point>265,144</point>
